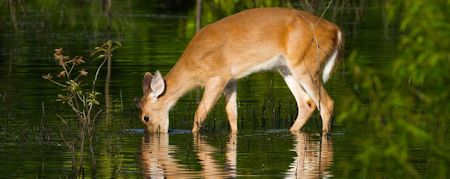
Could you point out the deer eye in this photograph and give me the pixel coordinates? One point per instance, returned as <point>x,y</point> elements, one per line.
<point>146,118</point>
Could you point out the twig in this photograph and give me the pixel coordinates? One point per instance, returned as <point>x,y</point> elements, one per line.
<point>326,9</point>
<point>59,84</point>
<point>96,74</point>
<point>71,68</point>
<point>96,115</point>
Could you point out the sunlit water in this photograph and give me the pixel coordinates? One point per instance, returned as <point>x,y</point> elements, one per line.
<point>153,36</point>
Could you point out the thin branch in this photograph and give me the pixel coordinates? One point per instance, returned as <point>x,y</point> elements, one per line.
<point>59,84</point>
<point>76,110</point>
<point>96,115</point>
<point>80,98</point>
<point>65,70</point>
<point>71,68</point>
<point>96,73</point>
<point>328,6</point>
<point>318,61</point>
<point>318,57</point>
<point>64,140</point>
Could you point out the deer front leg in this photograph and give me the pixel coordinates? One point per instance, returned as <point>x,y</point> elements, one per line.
<point>213,88</point>
<point>231,104</point>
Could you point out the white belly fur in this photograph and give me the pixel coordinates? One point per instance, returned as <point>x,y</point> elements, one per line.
<point>273,63</point>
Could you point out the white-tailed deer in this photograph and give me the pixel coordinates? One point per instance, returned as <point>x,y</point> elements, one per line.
<point>300,46</point>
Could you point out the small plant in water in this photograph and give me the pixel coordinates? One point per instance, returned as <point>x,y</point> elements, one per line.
<point>81,98</point>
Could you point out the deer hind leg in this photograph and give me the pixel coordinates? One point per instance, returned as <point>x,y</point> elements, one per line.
<point>231,104</point>
<point>304,103</point>
<point>307,75</point>
<point>314,88</point>
<point>213,89</point>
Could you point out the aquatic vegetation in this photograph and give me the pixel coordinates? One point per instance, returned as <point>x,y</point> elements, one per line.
<point>81,98</point>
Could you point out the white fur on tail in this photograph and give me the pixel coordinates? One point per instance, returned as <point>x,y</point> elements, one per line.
<point>328,68</point>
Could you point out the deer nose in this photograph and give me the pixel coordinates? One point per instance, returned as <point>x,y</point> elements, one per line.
<point>146,118</point>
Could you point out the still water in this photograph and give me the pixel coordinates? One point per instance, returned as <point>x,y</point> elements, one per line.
<point>153,35</point>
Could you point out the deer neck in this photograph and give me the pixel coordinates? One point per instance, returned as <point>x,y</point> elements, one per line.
<point>178,83</point>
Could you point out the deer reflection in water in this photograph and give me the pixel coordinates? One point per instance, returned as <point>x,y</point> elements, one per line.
<point>210,166</point>
<point>314,157</point>
<point>159,160</point>
<point>313,160</point>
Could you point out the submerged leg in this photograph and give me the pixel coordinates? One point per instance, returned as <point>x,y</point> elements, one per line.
<point>213,88</point>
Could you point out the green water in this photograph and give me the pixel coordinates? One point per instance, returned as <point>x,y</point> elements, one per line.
<point>153,35</point>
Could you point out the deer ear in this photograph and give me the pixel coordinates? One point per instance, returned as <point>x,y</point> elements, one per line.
<point>157,85</point>
<point>146,82</point>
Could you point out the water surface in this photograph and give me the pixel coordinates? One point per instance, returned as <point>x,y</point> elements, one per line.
<point>153,35</point>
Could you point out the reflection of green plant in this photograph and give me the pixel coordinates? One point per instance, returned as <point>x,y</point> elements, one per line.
<point>82,101</point>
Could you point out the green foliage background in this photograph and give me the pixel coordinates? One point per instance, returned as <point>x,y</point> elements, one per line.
<point>405,107</point>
